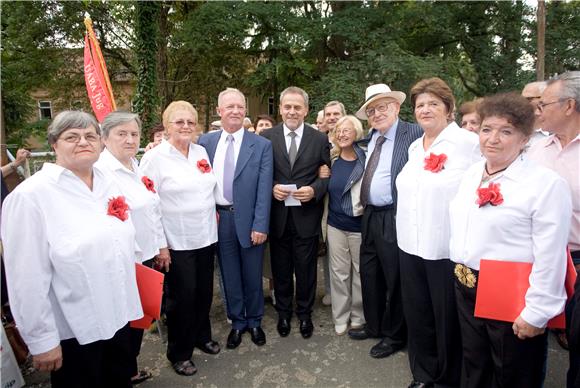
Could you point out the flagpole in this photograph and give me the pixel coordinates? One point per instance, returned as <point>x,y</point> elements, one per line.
<point>99,54</point>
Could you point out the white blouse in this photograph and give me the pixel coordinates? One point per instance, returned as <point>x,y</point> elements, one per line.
<point>424,196</point>
<point>188,205</point>
<point>531,225</point>
<point>144,204</point>
<point>70,267</point>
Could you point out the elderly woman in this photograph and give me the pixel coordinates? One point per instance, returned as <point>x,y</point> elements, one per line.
<point>509,209</point>
<point>70,262</point>
<point>426,185</point>
<point>185,183</point>
<point>344,225</point>
<point>121,133</point>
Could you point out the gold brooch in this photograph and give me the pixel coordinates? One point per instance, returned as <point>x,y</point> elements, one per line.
<point>465,275</point>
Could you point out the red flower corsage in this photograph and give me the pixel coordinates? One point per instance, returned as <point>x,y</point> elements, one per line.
<point>490,194</point>
<point>149,185</point>
<point>118,208</point>
<point>434,163</point>
<point>203,166</point>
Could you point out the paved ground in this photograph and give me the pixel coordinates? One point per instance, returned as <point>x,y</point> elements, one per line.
<point>325,360</point>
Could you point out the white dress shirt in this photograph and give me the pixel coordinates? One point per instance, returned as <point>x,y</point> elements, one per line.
<point>144,204</point>
<point>381,192</point>
<point>298,131</point>
<point>187,195</point>
<point>424,196</point>
<point>531,225</point>
<point>219,161</point>
<point>70,267</point>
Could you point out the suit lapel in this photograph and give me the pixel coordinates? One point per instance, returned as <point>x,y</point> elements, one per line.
<point>246,152</point>
<point>304,143</point>
<point>280,144</point>
<point>212,145</point>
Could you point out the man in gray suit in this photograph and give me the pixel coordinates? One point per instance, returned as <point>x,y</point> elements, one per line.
<point>387,142</point>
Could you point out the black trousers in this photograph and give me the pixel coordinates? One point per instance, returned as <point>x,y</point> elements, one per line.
<point>432,322</point>
<point>380,277</point>
<point>291,256</point>
<point>188,301</point>
<point>99,364</point>
<point>573,332</point>
<point>492,355</point>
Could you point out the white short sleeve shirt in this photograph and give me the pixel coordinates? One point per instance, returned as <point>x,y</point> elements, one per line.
<point>188,206</point>
<point>424,196</point>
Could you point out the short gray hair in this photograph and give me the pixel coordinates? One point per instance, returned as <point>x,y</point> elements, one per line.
<point>295,90</point>
<point>333,103</point>
<point>68,119</point>
<point>116,118</point>
<point>228,91</point>
<point>570,86</point>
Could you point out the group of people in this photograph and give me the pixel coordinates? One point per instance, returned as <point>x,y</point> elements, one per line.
<point>410,214</point>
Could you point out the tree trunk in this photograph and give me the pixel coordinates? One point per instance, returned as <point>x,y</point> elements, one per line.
<point>541,16</point>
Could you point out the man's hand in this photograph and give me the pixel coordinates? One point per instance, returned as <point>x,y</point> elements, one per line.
<point>304,194</point>
<point>324,172</point>
<point>48,361</point>
<point>279,193</point>
<point>163,259</point>
<point>524,330</point>
<point>258,238</point>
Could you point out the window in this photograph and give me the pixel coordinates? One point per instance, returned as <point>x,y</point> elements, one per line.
<point>271,106</point>
<point>44,110</point>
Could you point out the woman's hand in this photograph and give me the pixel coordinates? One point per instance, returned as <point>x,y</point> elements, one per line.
<point>524,330</point>
<point>163,259</point>
<point>21,156</point>
<point>48,361</point>
<point>324,172</point>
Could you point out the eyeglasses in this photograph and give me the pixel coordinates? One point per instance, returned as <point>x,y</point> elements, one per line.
<point>542,105</point>
<point>379,108</point>
<point>181,123</point>
<point>76,137</point>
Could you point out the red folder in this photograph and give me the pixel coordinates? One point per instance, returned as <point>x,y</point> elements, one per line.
<point>150,285</point>
<point>502,287</point>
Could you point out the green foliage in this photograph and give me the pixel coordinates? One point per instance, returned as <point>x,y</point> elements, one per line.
<point>334,49</point>
<point>146,99</point>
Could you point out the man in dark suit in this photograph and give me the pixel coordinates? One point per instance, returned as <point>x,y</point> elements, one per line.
<point>242,163</point>
<point>387,142</point>
<point>299,151</point>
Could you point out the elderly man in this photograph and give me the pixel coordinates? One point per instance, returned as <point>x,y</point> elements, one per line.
<point>559,112</point>
<point>242,164</point>
<point>299,151</point>
<point>388,142</point>
<point>533,93</point>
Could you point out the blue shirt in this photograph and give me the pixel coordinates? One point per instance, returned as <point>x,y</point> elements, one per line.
<point>341,171</point>
<point>381,190</point>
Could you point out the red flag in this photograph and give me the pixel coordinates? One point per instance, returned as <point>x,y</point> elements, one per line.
<point>96,76</point>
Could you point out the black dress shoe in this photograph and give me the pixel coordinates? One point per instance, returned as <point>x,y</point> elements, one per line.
<point>234,338</point>
<point>418,384</point>
<point>258,336</point>
<point>306,328</point>
<point>358,334</point>
<point>210,347</point>
<point>382,349</point>
<point>283,327</point>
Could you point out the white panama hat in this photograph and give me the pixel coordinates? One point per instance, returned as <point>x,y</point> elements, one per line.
<point>376,91</point>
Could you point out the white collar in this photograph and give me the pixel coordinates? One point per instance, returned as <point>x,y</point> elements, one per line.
<point>298,131</point>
